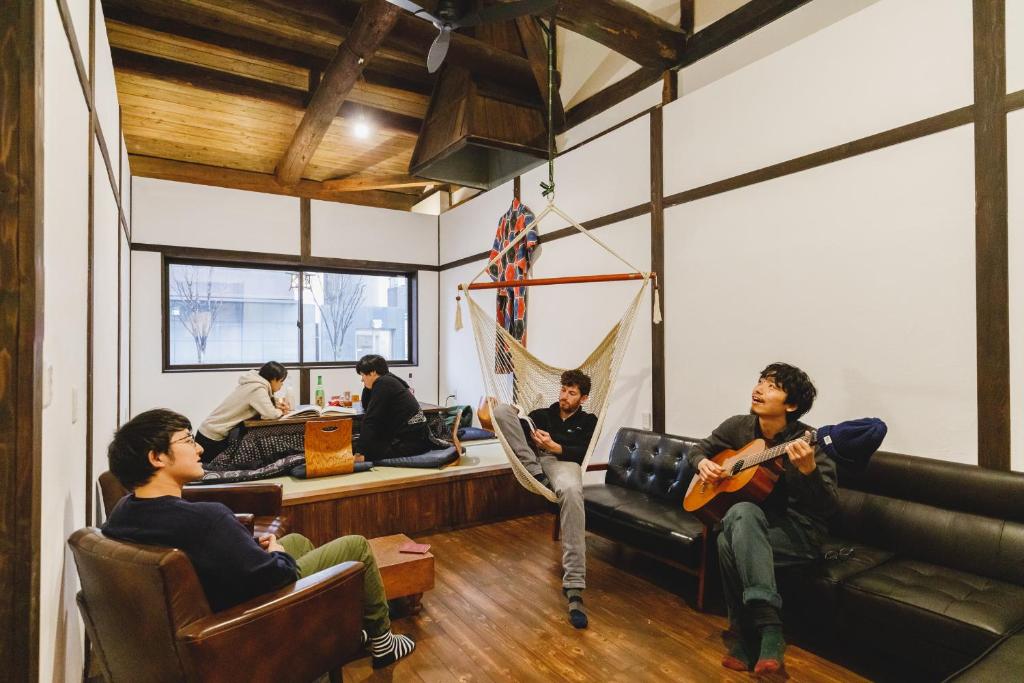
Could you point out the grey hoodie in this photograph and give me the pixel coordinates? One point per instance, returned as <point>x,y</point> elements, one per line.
<point>250,398</point>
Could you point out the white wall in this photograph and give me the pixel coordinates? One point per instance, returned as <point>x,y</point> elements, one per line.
<point>822,91</point>
<point>1015,214</point>
<point>170,213</point>
<point>861,272</point>
<point>66,279</point>
<point>564,325</point>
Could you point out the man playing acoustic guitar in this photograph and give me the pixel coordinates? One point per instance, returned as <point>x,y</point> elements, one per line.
<point>786,529</point>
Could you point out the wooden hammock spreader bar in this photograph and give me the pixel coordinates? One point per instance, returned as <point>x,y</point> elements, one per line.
<point>612,277</point>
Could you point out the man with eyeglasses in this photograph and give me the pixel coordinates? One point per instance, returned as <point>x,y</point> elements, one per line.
<point>154,455</point>
<point>786,529</point>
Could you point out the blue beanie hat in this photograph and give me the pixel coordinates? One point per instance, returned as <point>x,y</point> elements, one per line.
<point>853,442</point>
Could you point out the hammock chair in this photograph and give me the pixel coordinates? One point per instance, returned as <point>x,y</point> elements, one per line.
<point>513,375</point>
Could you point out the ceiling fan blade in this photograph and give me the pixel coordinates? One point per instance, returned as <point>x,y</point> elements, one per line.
<point>439,49</point>
<point>414,9</point>
<point>504,12</point>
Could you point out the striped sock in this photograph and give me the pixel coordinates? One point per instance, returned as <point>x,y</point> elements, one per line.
<point>577,617</point>
<point>388,648</point>
<point>363,637</point>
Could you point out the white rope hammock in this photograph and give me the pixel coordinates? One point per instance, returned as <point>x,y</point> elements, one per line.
<point>513,375</point>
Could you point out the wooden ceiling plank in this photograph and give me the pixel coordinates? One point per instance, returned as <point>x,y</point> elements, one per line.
<point>219,81</point>
<point>374,21</point>
<point>625,28</point>
<point>150,167</point>
<point>294,28</point>
<point>385,71</point>
<point>386,182</point>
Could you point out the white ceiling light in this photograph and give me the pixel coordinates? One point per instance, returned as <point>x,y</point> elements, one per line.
<point>362,128</point>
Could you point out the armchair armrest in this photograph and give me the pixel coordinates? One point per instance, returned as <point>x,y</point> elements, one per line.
<point>256,499</point>
<point>248,521</point>
<point>298,632</point>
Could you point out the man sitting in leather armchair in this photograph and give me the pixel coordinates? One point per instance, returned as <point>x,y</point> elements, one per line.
<point>154,455</point>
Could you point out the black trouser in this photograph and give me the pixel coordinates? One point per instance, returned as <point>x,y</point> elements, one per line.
<point>211,448</point>
<point>412,439</point>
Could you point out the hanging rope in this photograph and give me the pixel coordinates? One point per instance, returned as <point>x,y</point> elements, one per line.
<point>548,188</point>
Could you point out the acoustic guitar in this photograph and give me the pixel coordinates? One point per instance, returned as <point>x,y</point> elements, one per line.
<point>751,474</point>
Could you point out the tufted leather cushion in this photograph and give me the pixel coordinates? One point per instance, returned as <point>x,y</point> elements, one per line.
<point>940,616</point>
<point>651,463</point>
<point>950,485</point>
<point>640,501</point>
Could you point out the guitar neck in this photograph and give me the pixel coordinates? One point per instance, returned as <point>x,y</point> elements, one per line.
<point>773,452</point>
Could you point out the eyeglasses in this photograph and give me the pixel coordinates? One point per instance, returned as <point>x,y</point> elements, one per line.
<point>840,554</point>
<point>188,439</point>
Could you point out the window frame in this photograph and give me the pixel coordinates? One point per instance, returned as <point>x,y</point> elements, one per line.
<point>412,303</point>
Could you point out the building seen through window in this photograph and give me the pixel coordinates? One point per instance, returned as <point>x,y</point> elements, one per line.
<point>220,315</point>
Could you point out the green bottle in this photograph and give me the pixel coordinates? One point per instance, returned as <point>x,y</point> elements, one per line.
<point>319,396</point>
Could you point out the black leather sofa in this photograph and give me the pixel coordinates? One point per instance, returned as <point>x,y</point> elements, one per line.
<point>928,568</point>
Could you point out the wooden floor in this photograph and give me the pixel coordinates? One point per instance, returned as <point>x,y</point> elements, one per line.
<point>497,614</point>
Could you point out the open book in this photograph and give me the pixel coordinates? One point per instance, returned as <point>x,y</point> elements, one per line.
<point>521,414</point>
<point>314,411</point>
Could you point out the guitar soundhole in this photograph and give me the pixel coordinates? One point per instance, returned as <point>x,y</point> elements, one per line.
<point>737,467</point>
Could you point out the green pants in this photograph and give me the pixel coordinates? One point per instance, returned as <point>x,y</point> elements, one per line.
<point>345,549</point>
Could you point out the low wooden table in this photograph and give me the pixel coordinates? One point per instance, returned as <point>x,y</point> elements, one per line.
<point>406,575</point>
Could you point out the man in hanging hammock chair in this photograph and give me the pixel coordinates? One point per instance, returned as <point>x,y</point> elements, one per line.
<point>552,449</point>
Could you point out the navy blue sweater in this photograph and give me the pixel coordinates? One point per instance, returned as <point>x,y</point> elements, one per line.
<point>231,565</point>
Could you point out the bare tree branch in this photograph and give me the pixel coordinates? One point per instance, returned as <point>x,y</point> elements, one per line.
<point>343,295</point>
<point>200,308</point>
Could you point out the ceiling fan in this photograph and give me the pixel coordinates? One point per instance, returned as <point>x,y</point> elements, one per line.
<point>449,16</point>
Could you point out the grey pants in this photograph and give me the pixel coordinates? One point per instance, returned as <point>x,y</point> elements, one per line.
<point>567,482</point>
<point>749,550</point>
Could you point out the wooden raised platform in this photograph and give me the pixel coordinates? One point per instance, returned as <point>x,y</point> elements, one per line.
<point>393,500</point>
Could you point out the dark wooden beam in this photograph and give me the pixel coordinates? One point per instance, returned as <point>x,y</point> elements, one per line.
<point>233,84</point>
<point>387,182</point>
<point>625,28</point>
<point>658,379</point>
<point>535,44</point>
<point>375,20</point>
<point>201,174</point>
<point>384,71</point>
<point>991,234</point>
<point>735,25</point>
<point>21,332</point>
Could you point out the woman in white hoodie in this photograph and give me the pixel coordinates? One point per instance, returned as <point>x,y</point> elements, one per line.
<point>253,396</point>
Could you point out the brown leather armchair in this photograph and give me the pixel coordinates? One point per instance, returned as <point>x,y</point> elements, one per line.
<point>149,620</point>
<point>260,501</point>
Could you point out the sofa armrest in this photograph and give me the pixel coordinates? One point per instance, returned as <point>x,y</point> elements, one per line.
<point>257,499</point>
<point>255,641</point>
<point>597,467</point>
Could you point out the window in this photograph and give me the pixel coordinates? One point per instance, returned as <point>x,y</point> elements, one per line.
<point>223,316</point>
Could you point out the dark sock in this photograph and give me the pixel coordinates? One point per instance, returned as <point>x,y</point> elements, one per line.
<point>389,647</point>
<point>773,647</point>
<point>542,479</point>
<point>743,651</point>
<point>577,617</point>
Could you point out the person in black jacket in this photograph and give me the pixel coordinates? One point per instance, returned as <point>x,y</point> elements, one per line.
<point>154,455</point>
<point>553,453</point>
<point>393,425</point>
<point>786,529</point>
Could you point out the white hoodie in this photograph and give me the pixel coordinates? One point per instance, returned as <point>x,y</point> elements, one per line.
<point>250,398</point>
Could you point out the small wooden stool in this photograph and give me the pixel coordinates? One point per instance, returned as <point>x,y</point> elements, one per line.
<point>405,575</point>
